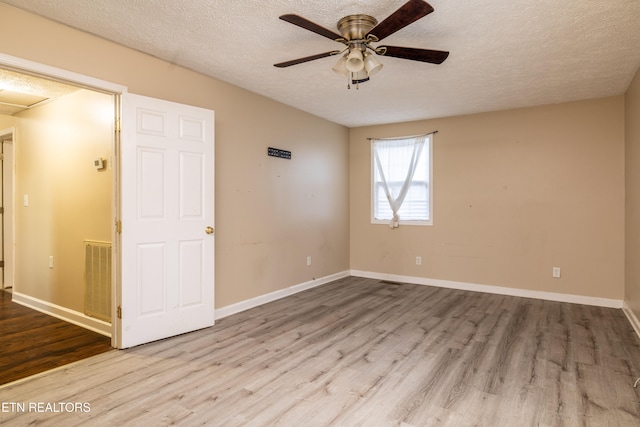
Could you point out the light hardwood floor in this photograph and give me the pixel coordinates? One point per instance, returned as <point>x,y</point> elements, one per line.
<point>361,352</point>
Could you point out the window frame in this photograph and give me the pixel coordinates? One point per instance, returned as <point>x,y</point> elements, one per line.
<point>373,184</point>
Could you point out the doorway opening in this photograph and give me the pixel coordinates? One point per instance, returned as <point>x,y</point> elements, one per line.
<point>62,137</point>
<point>60,196</point>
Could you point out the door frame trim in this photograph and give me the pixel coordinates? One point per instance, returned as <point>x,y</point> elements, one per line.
<point>53,73</point>
<point>10,221</point>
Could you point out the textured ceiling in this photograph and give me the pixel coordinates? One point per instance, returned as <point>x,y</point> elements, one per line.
<point>19,91</point>
<point>504,54</point>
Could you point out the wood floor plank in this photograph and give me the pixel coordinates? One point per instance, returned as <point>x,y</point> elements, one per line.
<point>32,342</point>
<point>363,352</point>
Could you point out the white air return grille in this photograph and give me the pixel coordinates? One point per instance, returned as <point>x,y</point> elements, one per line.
<point>97,278</point>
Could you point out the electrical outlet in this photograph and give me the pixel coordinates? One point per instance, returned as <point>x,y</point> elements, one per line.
<point>309,260</point>
<point>556,272</point>
<point>418,260</point>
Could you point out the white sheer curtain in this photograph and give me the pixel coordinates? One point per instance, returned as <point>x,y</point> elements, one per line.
<point>397,156</point>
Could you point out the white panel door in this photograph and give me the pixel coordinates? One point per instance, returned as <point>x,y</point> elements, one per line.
<point>167,242</point>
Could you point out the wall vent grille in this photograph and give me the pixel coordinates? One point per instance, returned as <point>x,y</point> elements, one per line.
<point>97,278</point>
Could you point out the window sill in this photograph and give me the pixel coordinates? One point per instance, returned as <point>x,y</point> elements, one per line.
<point>386,222</point>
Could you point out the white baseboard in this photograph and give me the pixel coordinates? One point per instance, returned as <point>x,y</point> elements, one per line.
<point>550,296</point>
<point>635,323</point>
<point>273,296</point>
<point>63,313</point>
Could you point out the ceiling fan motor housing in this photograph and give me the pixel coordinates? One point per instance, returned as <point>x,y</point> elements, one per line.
<point>356,27</point>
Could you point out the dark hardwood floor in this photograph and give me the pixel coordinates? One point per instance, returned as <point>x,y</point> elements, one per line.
<point>32,342</point>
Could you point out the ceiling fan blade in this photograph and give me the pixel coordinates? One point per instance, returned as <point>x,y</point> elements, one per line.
<point>311,26</point>
<point>410,12</point>
<point>305,59</point>
<point>423,55</point>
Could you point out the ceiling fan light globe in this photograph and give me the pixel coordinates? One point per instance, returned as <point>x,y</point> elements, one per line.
<point>372,65</point>
<point>341,66</point>
<point>355,61</point>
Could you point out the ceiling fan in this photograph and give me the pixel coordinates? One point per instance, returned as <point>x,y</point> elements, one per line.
<point>358,32</point>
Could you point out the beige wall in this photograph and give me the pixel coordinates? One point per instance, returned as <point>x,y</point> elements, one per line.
<point>270,213</point>
<point>632,135</point>
<point>6,122</point>
<point>516,193</point>
<point>69,200</point>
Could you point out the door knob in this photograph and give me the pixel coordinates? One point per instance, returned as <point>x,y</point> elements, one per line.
<point>209,230</point>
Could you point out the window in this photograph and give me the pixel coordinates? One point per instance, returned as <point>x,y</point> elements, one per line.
<point>402,190</point>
